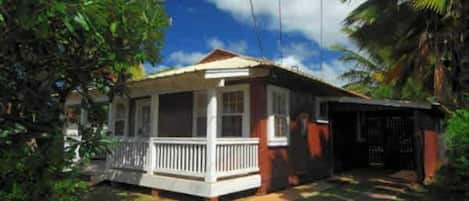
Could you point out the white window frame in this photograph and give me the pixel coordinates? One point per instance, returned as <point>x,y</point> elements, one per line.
<point>271,138</point>
<point>125,118</point>
<point>139,103</point>
<point>195,109</point>
<point>318,117</point>
<point>246,110</point>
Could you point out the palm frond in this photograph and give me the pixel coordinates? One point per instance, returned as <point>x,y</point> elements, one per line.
<point>438,6</point>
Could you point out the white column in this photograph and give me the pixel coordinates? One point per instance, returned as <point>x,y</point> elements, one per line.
<point>211,175</point>
<point>151,153</point>
<point>155,111</point>
<point>110,122</point>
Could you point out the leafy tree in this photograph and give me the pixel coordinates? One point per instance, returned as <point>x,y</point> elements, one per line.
<point>137,72</point>
<point>51,48</point>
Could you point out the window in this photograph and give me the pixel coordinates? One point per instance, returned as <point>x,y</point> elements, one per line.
<point>120,116</point>
<point>200,114</point>
<point>233,106</point>
<point>322,111</point>
<point>143,117</point>
<point>278,114</point>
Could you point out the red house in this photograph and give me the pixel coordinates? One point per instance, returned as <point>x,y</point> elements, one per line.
<point>231,123</point>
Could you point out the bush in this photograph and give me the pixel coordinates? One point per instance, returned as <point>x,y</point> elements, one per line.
<point>457,141</point>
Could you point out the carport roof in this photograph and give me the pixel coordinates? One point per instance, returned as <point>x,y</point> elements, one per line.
<point>384,102</point>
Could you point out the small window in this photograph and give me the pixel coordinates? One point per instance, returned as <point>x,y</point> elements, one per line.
<point>232,112</point>
<point>322,111</point>
<point>120,116</point>
<point>200,114</point>
<point>279,117</point>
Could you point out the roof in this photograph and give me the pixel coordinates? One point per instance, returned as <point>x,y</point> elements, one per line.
<point>224,59</point>
<point>382,102</point>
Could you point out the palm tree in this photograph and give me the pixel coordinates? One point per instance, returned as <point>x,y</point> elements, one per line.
<point>367,73</point>
<point>422,36</point>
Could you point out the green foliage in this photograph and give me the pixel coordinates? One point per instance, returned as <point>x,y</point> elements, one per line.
<point>438,6</point>
<point>457,141</point>
<point>51,49</point>
<point>423,40</point>
<point>383,92</point>
<point>137,72</point>
<point>414,91</point>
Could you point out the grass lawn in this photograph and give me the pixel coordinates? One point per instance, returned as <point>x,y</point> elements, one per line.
<point>118,193</point>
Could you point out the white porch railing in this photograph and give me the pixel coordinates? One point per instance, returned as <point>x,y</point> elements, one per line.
<point>130,153</point>
<point>235,156</point>
<point>187,156</point>
<point>180,156</point>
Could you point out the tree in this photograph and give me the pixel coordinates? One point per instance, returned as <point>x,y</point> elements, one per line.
<point>427,39</point>
<point>368,76</point>
<point>51,48</point>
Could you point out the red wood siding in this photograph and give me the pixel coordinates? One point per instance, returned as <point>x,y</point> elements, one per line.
<point>307,156</point>
<point>431,159</point>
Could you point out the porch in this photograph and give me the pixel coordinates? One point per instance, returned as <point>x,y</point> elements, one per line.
<point>186,165</point>
<point>192,142</point>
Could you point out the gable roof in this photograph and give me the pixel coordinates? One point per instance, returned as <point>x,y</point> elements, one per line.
<point>218,54</point>
<point>224,59</point>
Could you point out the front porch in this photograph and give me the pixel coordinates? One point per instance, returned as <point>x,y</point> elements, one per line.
<point>186,165</point>
<point>194,142</point>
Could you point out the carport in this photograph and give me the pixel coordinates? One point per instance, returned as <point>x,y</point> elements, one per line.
<point>386,134</point>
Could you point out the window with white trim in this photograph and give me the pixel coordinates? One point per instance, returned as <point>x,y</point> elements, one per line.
<point>233,111</point>
<point>278,104</point>
<point>200,114</point>
<point>120,118</point>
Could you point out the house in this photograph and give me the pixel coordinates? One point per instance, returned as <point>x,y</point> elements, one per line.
<point>231,123</point>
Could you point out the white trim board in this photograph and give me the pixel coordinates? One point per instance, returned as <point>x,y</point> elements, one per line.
<point>227,73</point>
<point>186,186</point>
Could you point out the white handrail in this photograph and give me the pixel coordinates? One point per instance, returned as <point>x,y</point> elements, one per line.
<point>184,156</point>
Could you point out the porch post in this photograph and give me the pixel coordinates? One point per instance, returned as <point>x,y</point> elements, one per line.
<point>211,135</point>
<point>110,124</point>
<point>151,153</point>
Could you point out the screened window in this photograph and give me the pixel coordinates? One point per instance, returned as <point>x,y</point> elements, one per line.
<point>278,110</point>
<point>200,114</point>
<point>120,116</point>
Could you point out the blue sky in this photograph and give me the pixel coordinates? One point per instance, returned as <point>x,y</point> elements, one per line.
<point>198,26</point>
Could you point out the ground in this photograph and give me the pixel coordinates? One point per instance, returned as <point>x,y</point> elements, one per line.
<point>360,185</point>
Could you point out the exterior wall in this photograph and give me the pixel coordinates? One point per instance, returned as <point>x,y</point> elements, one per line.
<point>307,156</point>
<point>430,158</point>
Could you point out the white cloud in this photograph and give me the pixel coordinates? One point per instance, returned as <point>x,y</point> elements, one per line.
<point>300,50</point>
<point>238,46</point>
<point>302,16</point>
<point>329,72</point>
<point>181,58</point>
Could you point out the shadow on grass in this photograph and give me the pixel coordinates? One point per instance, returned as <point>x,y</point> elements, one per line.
<point>106,191</point>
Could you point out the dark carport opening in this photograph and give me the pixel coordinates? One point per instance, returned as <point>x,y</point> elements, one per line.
<point>374,134</point>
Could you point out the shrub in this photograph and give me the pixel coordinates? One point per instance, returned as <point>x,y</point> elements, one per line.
<point>457,141</point>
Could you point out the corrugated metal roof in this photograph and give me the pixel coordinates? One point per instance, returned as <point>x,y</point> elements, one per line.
<point>241,61</point>
<point>235,62</point>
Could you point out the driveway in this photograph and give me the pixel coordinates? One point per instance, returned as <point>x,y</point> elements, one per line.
<point>357,185</point>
